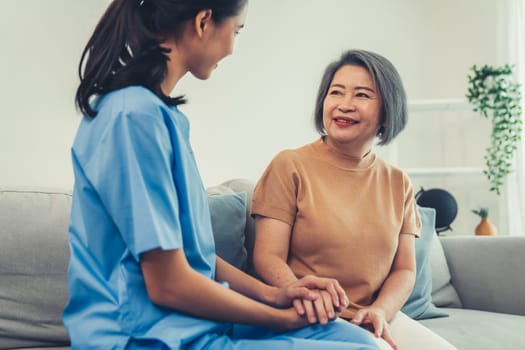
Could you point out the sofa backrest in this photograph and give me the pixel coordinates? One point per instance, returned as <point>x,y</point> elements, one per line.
<point>34,255</point>
<point>33,262</point>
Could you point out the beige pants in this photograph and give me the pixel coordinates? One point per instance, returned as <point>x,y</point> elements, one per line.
<point>411,335</point>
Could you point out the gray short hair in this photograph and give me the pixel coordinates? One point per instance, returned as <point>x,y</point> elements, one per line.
<point>388,82</point>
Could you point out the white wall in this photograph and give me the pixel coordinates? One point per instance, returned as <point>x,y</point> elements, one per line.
<point>260,100</point>
<point>40,45</point>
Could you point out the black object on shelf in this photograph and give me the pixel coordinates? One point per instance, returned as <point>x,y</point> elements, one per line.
<point>443,202</point>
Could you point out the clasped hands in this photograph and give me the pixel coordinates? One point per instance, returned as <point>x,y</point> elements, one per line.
<point>319,300</point>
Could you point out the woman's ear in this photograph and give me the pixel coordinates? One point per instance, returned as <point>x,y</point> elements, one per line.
<point>202,21</point>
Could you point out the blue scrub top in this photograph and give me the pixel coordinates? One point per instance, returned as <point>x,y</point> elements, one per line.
<point>137,188</point>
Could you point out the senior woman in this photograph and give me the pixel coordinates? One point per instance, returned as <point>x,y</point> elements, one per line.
<point>333,208</point>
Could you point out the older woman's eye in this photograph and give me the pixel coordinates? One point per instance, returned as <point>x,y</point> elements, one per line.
<point>335,92</point>
<point>362,94</point>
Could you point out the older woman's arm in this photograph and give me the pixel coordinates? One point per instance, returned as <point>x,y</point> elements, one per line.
<point>400,281</point>
<point>394,292</point>
<point>270,256</point>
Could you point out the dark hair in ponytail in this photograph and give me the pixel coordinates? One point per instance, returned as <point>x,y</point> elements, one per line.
<point>125,47</point>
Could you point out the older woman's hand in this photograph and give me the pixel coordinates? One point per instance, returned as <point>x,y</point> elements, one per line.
<point>374,320</point>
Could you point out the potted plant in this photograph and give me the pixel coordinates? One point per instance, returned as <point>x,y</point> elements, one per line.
<point>496,96</point>
<point>485,227</point>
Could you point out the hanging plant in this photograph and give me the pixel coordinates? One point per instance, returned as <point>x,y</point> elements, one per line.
<point>496,96</point>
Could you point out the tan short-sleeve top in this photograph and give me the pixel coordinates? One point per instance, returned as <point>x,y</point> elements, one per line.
<point>346,215</point>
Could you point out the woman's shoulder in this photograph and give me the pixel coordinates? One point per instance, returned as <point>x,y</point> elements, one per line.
<point>139,104</point>
<point>134,109</point>
<point>130,99</point>
<point>391,169</point>
<point>293,154</point>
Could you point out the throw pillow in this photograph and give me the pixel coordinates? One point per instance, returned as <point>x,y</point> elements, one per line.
<point>244,185</point>
<point>419,305</point>
<point>228,220</point>
<point>443,292</point>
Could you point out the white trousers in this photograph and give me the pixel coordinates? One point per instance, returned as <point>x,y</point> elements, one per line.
<point>412,335</point>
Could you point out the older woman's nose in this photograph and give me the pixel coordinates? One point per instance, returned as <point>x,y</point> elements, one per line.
<point>346,105</point>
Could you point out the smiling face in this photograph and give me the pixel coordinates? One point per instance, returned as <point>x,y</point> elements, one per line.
<point>352,111</point>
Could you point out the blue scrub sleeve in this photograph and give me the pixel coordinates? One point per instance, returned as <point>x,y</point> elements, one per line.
<point>132,174</point>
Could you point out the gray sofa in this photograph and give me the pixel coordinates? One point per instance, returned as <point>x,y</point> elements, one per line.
<point>478,281</point>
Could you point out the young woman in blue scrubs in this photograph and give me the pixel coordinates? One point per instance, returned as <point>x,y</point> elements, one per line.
<point>143,273</point>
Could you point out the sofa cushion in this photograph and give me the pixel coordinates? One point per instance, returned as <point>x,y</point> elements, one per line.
<point>228,218</point>
<point>443,292</point>
<point>246,186</point>
<point>33,261</point>
<point>480,330</point>
<point>419,304</point>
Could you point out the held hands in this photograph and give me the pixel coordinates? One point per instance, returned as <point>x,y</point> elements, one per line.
<point>374,320</point>
<point>318,299</point>
<point>319,310</point>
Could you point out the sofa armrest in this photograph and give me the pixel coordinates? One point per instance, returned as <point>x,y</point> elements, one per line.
<point>488,272</point>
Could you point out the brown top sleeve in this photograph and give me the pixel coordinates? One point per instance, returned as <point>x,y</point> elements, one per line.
<point>412,222</point>
<point>275,194</point>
